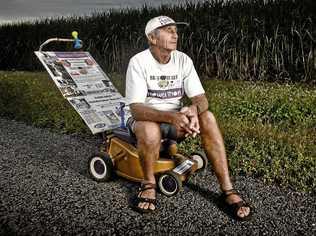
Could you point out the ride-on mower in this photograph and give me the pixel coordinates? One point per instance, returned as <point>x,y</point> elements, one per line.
<point>119,156</point>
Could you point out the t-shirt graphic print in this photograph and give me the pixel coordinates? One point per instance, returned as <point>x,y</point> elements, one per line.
<point>169,87</point>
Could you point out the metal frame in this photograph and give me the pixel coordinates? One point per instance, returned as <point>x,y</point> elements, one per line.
<point>55,40</point>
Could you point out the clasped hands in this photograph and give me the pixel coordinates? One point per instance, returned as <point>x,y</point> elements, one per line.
<point>187,121</point>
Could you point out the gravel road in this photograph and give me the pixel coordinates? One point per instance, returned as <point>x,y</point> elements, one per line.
<point>45,190</point>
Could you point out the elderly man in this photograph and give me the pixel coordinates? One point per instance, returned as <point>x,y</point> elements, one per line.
<point>156,80</point>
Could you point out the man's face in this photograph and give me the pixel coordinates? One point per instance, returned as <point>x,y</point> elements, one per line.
<point>167,38</point>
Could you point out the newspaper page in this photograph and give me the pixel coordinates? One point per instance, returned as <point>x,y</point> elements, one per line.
<point>87,88</point>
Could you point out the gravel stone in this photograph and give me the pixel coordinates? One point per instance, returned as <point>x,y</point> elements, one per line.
<point>46,190</point>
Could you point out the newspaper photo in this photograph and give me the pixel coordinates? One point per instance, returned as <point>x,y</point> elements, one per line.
<point>87,88</point>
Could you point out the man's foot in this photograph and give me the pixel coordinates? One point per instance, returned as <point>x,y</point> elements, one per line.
<point>236,206</point>
<point>146,198</point>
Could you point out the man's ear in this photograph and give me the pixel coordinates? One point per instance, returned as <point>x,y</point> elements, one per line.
<point>152,39</point>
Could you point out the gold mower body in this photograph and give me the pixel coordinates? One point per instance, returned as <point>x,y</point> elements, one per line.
<point>119,156</point>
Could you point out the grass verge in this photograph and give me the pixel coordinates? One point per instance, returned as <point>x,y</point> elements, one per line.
<point>269,129</point>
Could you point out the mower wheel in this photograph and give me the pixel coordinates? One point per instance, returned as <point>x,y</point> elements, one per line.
<point>169,183</point>
<point>201,159</point>
<point>100,167</point>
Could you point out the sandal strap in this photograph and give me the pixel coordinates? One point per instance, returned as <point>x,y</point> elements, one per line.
<point>238,204</point>
<point>143,187</point>
<point>229,192</point>
<point>146,186</point>
<point>148,200</point>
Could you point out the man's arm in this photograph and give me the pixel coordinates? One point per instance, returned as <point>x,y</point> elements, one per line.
<point>141,112</point>
<point>198,106</point>
<point>200,102</point>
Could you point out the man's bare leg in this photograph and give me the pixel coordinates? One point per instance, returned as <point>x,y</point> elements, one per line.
<point>148,145</point>
<point>214,146</point>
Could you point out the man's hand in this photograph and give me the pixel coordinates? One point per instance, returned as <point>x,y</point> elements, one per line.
<point>192,114</point>
<point>181,122</point>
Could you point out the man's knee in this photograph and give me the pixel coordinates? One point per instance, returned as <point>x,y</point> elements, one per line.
<point>207,120</point>
<point>147,133</point>
<point>210,133</point>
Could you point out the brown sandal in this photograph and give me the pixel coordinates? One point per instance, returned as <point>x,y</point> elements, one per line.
<point>139,198</point>
<point>235,207</point>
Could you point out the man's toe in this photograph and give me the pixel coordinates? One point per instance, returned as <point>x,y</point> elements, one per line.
<point>152,207</point>
<point>146,206</point>
<point>243,212</point>
<point>142,205</point>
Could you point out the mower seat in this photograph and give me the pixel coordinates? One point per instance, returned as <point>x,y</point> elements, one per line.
<point>124,134</point>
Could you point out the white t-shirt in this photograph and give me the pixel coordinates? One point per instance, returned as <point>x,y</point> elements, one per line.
<point>161,86</point>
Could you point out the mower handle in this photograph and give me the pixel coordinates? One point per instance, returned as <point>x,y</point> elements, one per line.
<point>77,42</point>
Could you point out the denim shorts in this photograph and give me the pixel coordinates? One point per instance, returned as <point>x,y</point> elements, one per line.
<point>130,125</point>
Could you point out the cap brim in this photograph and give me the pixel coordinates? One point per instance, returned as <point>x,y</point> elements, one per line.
<point>182,23</point>
<point>175,23</point>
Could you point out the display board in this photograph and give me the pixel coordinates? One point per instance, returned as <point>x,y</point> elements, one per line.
<point>87,88</point>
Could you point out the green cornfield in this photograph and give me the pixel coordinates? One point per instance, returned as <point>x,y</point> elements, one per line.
<point>247,40</point>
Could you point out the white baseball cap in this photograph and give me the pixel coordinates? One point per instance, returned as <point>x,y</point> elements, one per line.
<point>160,21</point>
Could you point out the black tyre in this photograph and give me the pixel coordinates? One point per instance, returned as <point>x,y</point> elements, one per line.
<point>169,183</point>
<point>201,159</point>
<point>100,167</point>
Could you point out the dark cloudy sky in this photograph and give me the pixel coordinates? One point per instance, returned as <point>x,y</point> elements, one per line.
<point>18,10</point>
